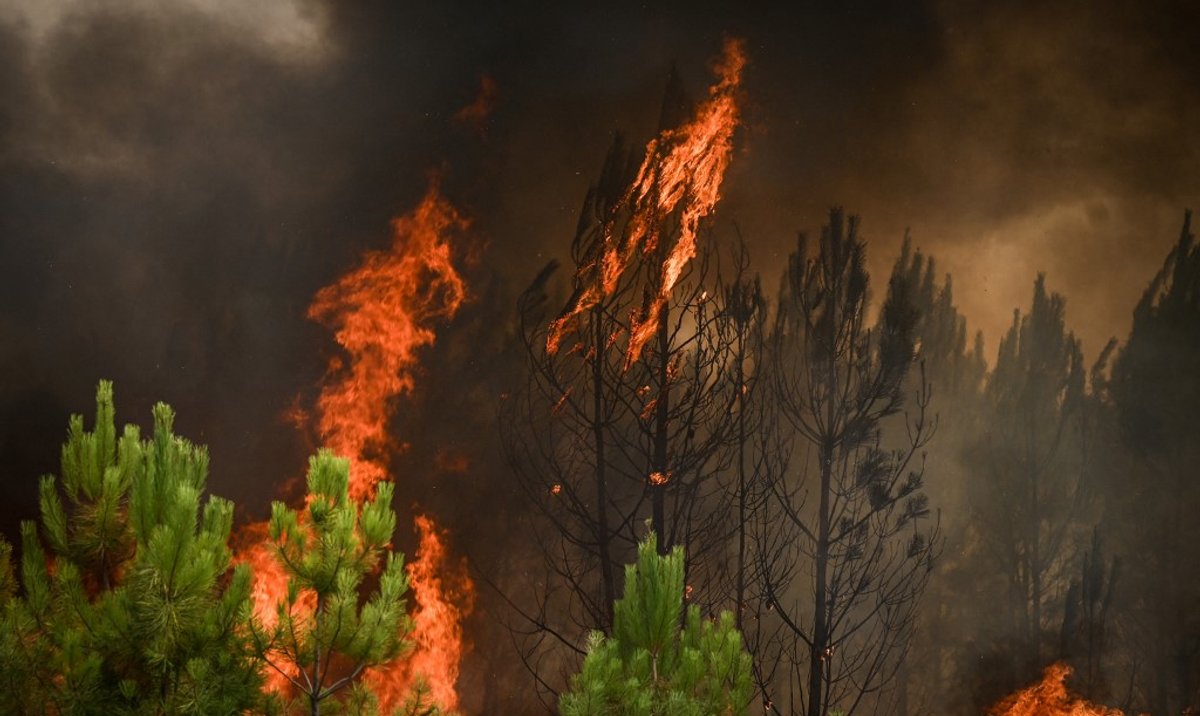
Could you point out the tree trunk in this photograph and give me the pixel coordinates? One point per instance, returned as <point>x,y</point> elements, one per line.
<point>739,605</point>
<point>1035,572</point>
<point>658,488</point>
<point>820,638</point>
<point>603,537</point>
<point>314,701</point>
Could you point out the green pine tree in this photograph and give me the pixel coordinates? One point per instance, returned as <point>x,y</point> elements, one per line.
<point>323,640</point>
<point>658,660</point>
<point>129,604</point>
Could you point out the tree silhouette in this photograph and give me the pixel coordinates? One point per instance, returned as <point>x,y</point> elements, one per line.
<point>1028,492</point>
<point>1156,391</point>
<point>936,667</point>
<point>846,556</point>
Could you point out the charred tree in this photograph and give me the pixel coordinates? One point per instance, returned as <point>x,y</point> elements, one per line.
<point>560,428</point>
<point>755,451</point>
<point>1087,620</point>
<point>849,549</point>
<point>937,665</point>
<point>605,434</point>
<point>743,317</point>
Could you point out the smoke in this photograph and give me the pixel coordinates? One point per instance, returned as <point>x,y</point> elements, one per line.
<point>178,178</point>
<point>1063,142</point>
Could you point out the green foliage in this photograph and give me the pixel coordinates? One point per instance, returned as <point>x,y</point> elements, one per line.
<point>652,666</point>
<point>134,608</point>
<point>323,640</point>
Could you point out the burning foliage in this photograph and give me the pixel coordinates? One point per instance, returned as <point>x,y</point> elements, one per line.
<point>682,171</point>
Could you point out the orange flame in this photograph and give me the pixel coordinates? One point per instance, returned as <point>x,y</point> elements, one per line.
<point>1049,697</point>
<point>445,595</point>
<point>269,590</point>
<point>381,314</point>
<point>683,170</point>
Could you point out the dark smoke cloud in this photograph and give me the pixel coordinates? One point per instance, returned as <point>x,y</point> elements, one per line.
<point>1061,139</point>
<point>176,188</point>
<point>1032,139</point>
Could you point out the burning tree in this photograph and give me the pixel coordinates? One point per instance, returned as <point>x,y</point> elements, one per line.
<point>626,412</point>
<point>135,609</point>
<point>561,430</point>
<point>383,312</point>
<point>844,557</point>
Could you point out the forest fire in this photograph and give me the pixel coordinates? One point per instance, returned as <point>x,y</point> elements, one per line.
<point>814,359</point>
<point>381,314</point>
<point>682,171</point>
<point>1049,697</point>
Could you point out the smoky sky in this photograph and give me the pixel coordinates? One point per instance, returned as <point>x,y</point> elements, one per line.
<point>177,178</point>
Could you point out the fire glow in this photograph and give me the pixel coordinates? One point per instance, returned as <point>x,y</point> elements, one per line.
<point>1049,697</point>
<point>445,595</point>
<point>682,170</point>
<point>381,314</point>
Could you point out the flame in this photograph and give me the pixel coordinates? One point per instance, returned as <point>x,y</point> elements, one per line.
<point>683,170</point>
<point>1049,697</point>
<point>445,595</point>
<point>381,315</point>
<point>269,590</point>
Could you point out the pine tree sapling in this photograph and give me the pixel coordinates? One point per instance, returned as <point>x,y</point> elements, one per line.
<point>659,660</point>
<point>323,640</point>
<point>134,608</point>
